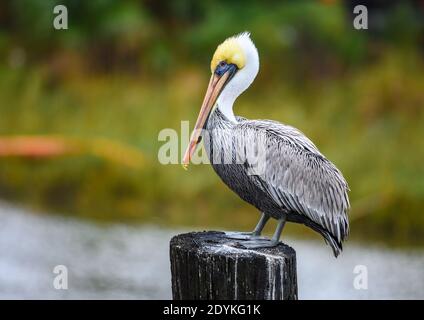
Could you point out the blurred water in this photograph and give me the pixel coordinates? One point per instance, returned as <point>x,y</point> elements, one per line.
<point>118,262</point>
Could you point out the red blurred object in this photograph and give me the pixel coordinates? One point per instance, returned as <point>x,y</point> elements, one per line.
<point>34,147</point>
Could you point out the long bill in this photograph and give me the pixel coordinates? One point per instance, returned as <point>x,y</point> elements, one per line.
<point>216,84</point>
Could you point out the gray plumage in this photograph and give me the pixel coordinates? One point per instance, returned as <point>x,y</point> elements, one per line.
<point>296,180</point>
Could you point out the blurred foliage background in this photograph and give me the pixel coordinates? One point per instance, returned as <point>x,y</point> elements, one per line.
<point>81,109</point>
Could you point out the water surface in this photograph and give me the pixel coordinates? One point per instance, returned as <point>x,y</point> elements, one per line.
<point>124,262</point>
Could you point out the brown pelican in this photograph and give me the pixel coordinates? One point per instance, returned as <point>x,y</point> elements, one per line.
<point>297,183</point>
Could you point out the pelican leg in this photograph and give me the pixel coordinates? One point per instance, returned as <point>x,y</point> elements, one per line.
<point>261,224</point>
<point>250,235</point>
<point>267,243</point>
<point>279,229</point>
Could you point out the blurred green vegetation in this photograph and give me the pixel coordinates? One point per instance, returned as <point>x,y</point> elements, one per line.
<point>124,70</point>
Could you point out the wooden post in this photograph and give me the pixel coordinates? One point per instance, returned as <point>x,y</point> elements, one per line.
<point>209,265</point>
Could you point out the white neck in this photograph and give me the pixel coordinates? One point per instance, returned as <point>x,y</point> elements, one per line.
<point>241,80</point>
<point>226,108</point>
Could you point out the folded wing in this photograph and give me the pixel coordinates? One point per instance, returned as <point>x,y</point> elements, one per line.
<point>298,177</point>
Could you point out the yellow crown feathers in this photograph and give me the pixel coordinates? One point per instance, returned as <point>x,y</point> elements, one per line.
<point>229,51</point>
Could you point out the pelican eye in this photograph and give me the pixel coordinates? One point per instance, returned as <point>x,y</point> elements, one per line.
<point>223,67</point>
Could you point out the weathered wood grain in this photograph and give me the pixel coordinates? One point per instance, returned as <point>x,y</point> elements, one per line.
<point>208,265</point>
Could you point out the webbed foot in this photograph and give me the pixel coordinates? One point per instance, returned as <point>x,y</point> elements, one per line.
<point>259,243</point>
<point>243,235</point>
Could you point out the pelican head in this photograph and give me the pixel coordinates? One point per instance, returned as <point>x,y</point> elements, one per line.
<point>234,66</point>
